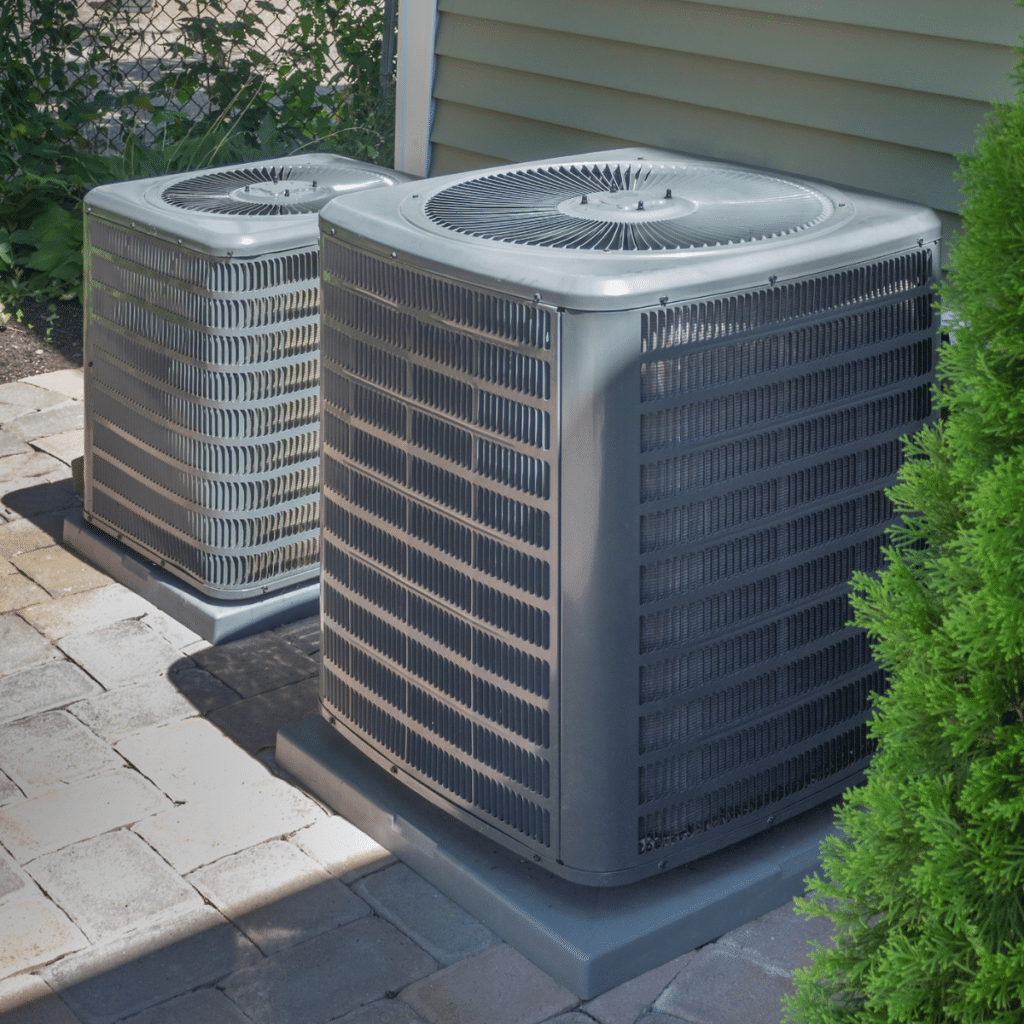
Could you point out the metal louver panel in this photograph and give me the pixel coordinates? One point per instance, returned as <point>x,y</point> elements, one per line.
<point>202,381</point>
<point>628,206</point>
<point>440,563</point>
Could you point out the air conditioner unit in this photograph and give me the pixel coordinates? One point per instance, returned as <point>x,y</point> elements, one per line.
<point>604,439</point>
<point>202,368</point>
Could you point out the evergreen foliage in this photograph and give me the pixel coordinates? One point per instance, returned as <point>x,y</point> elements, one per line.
<point>927,894</point>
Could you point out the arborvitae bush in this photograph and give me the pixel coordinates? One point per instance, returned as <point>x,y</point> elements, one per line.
<point>927,894</point>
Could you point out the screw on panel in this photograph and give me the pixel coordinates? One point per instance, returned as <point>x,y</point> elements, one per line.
<point>920,241</point>
<point>771,818</point>
<point>536,296</point>
<point>287,191</point>
<point>333,231</point>
<point>394,255</point>
<point>842,204</point>
<point>664,300</point>
<point>246,188</point>
<point>314,183</point>
<point>536,856</point>
<point>394,769</point>
<point>668,193</point>
<point>640,205</point>
<point>584,200</point>
<point>772,279</point>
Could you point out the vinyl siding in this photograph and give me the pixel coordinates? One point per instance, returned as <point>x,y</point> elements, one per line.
<point>874,95</point>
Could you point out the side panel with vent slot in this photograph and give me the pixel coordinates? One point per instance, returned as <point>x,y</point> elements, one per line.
<point>440,538</point>
<point>202,409</point>
<point>724,467</point>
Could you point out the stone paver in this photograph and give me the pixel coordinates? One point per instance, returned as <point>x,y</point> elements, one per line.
<point>257,663</point>
<point>35,495</point>
<point>277,895</point>
<point>35,931</point>
<point>329,975</point>
<point>202,690</point>
<point>121,654</point>
<point>27,999</point>
<point>13,879</point>
<point>95,880</point>
<point>100,994</point>
<point>41,752</point>
<point>500,986</point>
<point>253,723</point>
<point>70,382</point>
<point>341,848</point>
<point>87,611</point>
<point>17,591</point>
<point>716,987</point>
<point>8,790</point>
<point>40,688</point>
<point>426,915</point>
<point>384,1011</point>
<point>18,398</point>
<point>192,759</point>
<point>22,646</point>
<point>118,713</point>
<point>54,420</point>
<point>204,1006</point>
<point>70,813</point>
<point>29,465</point>
<point>58,571</point>
<point>303,634</point>
<point>225,822</point>
<point>571,1018</point>
<point>65,446</point>
<point>170,629</point>
<point>11,445</point>
<point>29,534</point>
<point>778,941</point>
<point>626,1002</point>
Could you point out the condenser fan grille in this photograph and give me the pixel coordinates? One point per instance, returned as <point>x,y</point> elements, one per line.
<point>628,206</point>
<point>270,190</point>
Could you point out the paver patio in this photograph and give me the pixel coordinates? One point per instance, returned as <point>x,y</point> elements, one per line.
<point>157,866</point>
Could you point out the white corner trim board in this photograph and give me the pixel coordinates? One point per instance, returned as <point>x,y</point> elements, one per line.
<point>414,101</point>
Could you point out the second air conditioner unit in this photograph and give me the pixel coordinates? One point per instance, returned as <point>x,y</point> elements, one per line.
<point>202,371</point>
<point>604,439</point>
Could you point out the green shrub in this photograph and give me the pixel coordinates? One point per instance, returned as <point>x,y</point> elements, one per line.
<point>927,894</point>
<point>69,120</point>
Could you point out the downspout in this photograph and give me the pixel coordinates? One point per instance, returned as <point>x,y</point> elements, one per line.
<point>414,88</point>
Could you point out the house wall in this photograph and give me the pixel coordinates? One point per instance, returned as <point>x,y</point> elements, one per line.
<point>875,94</point>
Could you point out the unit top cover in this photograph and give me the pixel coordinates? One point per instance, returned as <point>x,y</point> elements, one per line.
<point>622,228</point>
<point>240,210</point>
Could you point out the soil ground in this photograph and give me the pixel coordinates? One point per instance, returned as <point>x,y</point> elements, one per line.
<point>40,340</point>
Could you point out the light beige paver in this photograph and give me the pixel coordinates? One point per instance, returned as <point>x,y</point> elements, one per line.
<point>27,999</point>
<point>65,446</point>
<point>35,932</point>
<point>43,687</point>
<point>121,654</point>
<point>45,750</point>
<point>626,1002</point>
<point>13,880</point>
<point>97,880</point>
<point>499,986</point>
<point>18,398</point>
<point>253,723</point>
<point>21,645</point>
<point>37,495</point>
<point>30,534</point>
<point>118,713</point>
<point>54,420</point>
<point>329,975</point>
<point>718,988</point>
<point>224,821</point>
<point>29,465</point>
<point>170,629</point>
<point>59,572</point>
<point>341,848</point>
<point>11,445</point>
<point>87,611</point>
<point>258,663</point>
<point>192,760</point>
<point>69,383</point>
<point>277,895</point>
<point>70,813</point>
<point>425,914</point>
<point>8,790</point>
<point>779,940</point>
<point>17,591</point>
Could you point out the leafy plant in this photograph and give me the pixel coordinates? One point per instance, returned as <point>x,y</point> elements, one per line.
<point>927,892</point>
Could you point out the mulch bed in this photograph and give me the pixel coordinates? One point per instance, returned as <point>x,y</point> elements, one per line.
<point>41,341</point>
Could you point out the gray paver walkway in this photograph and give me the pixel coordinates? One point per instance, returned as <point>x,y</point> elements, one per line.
<point>157,867</point>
